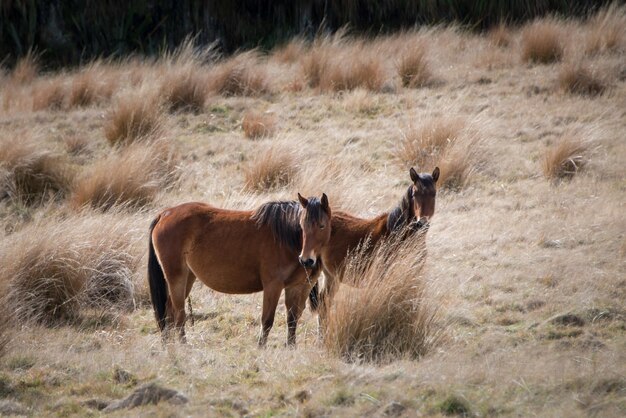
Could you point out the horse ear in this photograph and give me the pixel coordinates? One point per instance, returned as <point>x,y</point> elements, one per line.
<point>436,174</point>
<point>325,203</point>
<point>303,201</point>
<point>414,176</point>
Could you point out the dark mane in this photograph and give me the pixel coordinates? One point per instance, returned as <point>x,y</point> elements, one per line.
<point>283,220</point>
<point>400,215</point>
<point>313,210</point>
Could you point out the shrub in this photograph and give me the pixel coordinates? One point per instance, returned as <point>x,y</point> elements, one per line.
<point>388,316</point>
<point>413,67</point>
<point>54,269</point>
<point>350,67</point>
<point>32,175</point>
<point>134,116</point>
<point>577,78</point>
<point>565,158</point>
<point>271,169</point>
<point>258,125</point>
<point>130,177</point>
<point>542,41</point>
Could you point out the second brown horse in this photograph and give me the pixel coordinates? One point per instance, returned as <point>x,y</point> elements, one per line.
<point>408,219</point>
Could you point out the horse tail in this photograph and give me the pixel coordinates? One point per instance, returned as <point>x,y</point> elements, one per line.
<point>314,298</point>
<point>156,280</point>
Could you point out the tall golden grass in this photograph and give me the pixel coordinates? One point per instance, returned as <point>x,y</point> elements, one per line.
<point>413,67</point>
<point>543,41</point>
<point>55,268</point>
<point>134,116</point>
<point>270,169</point>
<point>605,30</point>
<point>130,177</point>
<point>565,158</point>
<point>32,175</point>
<point>388,315</point>
<point>91,85</point>
<point>258,125</point>
<point>579,78</point>
<point>242,75</point>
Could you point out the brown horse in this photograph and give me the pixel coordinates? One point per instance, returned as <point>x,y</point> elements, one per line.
<point>409,218</point>
<point>235,252</point>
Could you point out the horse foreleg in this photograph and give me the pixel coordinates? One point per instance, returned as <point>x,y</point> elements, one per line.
<point>271,294</point>
<point>295,300</point>
<point>327,294</point>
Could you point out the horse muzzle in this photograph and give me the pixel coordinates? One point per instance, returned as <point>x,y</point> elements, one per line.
<point>307,263</point>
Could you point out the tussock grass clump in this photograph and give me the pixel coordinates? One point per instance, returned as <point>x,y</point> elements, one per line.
<point>242,75</point>
<point>500,35</point>
<point>566,157</point>
<point>32,175</point>
<point>49,94</point>
<point>354,70</point>
<point>274,168</point>
<point>413,67</point>
<point>315,62</point>
<point>90,86</point>
<point>542,41</point>
<point>389,315</point>
<point>290,52</point>
<point>130,177</point>
<point>448,143</point>
<point>605,30</point>
<point>134,116</point>
<point>258,125</point>
<point>578,78</point>
<point>55,268</point>
<point>185,89</point>
<point>26,69</point>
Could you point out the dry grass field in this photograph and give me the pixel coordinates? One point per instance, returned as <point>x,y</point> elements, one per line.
<point>519,306</point>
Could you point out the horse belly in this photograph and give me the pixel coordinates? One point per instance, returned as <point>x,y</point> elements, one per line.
<point>232,278</point>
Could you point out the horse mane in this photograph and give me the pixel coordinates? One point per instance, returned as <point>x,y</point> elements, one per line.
<point>283,219</point>
<point>399,215</point>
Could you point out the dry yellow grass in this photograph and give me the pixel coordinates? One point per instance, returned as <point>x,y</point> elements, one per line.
<point>605,30</point>
<point>578,78</point>
<point>566,157</point>
<point>270,169</point>
<point>32,174</point>
<point>91,86</point>
<point>26,69</point>
<point>413,67</point>
<point>134,116</point>
<point>258,125</point>
<point>389,314</point>
<point>49,94</point>
<point>242,75</point>
<point>130,177</point>
<point>542,41</point>
<point>54,269</point>
<point>528,277</point>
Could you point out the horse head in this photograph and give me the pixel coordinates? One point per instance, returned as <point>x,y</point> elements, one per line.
<point>422,195</point>
<point>315,223</point>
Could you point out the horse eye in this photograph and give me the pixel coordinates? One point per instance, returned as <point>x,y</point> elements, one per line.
<point>322,226</point>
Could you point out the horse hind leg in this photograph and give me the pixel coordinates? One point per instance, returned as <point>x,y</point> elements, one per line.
<point>176,304</point>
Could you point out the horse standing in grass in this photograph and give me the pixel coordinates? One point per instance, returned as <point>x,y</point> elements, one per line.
<point>234,252</point>
<point>409,219</point>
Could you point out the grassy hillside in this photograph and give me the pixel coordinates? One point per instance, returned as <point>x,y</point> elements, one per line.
<point>523,284</point>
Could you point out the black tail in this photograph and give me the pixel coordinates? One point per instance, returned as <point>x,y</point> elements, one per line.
<point>156,280</point>
<point>314,299</point>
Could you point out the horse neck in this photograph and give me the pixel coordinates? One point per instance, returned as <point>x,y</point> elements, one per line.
<point>349,231</point>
